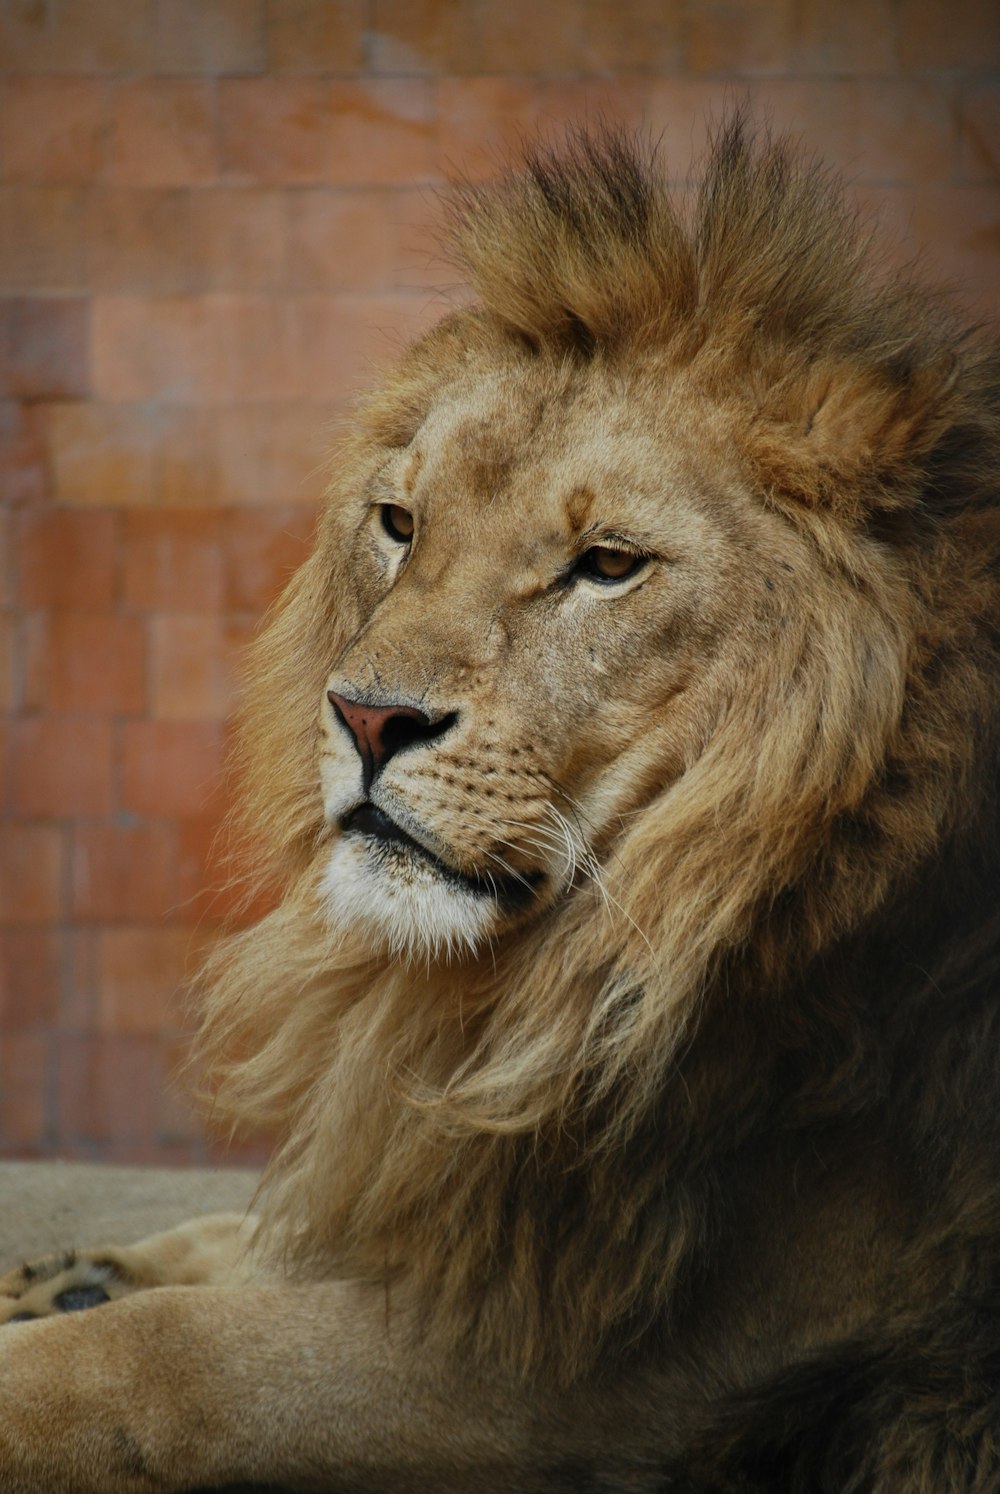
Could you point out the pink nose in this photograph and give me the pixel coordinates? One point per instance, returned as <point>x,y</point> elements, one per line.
<point>380,731</point>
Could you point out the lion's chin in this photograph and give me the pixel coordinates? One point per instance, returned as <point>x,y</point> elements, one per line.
<point>400,904</point>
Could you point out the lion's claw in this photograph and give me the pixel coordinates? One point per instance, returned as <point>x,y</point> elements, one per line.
<point>77,1299</point>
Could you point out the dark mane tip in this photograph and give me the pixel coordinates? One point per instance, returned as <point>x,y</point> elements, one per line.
<point>587,233</point>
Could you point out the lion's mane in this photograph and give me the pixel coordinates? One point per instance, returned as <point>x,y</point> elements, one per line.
<point>545,1136</point>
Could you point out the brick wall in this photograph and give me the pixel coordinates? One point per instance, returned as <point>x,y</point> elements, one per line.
<point>210,226</point>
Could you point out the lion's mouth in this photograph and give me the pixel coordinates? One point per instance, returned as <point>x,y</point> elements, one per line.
<point>509,889</point>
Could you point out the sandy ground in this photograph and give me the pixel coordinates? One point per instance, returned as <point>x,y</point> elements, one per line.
<point>53,1205</point>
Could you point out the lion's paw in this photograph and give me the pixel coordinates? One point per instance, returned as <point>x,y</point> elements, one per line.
<point>67,1282</point>
<point>213,1248</point>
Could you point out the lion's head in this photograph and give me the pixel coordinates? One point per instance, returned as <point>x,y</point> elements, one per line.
<point>634,655</point>
<point>536,582</point>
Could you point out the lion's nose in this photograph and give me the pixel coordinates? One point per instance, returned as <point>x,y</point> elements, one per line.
<point>379,732</point>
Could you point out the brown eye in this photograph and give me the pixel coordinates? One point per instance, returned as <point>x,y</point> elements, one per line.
<point>397,522</point>
<point>603,563</point>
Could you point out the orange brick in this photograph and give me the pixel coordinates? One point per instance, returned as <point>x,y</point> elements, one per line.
<point>133,455</point>
<point>620,100</point>
<point>936,36</point>
<point>880,131</point>
<point>106,1093</point>
<point>86,662</point>
<point>31,873</point>
<point>212,894</point>
<point>44,351</point>
<point>124,873</point>
<point>415,238</point>
<point>337,343</point>
<point>25,1059</point>
<point>186,458</point>
<point>173,560</point>
<point>741,38</point>
<point>61,766</point>
<point>100,36</point>
<point>238,237</point>
<point>31,963</point>
<point>960,228</point>
<point>66,558</point>
<point>343,340</point>
<point>426,36</point>
<point>8,689</point>
<point>79,998</point>
<point>648,42</point>
<point>151,349</point>
<point>142,971</point>
<point>204,875</point>
<point>172,768</point>
<point>42,239</point>
<point>382,132</point>
<point>8,519</point>
<point>816,110</point>
<point>30,646</point>
<point>855,36</point>
<point>906,131</point>
<point>210,36</point>
<point>889,212</point>
<point>521,36</point>
<point>340,239</point>
<point>104,455</point>
<point>483,120</point>
<point>23,453</point>
<point>52,129</point>
<point>190,669</point>
<point>250,343</point>
<point>238,634</point>
<point>163,133</point>
<point>262,549</point>
<point>140,240</point>
<point>276,461</point>
<point>980,124</point>
<point>8,522</point>
<point>275,129</point>
<point>316,36</point>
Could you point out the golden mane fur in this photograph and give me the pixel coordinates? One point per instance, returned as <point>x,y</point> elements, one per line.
<point>538,1132</point>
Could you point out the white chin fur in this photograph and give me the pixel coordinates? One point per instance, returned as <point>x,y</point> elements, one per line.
<point>397,902</point>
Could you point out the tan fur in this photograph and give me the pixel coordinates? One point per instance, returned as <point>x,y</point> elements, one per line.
<point>646,1111</point>
<point>764,391</point>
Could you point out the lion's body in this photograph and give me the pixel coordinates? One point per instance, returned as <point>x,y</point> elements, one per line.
<point>626,754</point>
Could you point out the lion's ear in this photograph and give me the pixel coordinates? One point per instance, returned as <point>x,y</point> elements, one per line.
<point>852,437</point>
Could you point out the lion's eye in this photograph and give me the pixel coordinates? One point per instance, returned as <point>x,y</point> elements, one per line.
<point>604,563</point>
<point>397,522</point>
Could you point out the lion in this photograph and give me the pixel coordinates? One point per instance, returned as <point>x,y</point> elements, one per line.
<point>625,759</point>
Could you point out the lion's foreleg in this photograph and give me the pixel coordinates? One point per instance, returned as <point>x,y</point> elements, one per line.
<point>177,1388</point>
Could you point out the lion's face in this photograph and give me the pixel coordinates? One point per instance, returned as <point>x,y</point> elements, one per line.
<point>536,579</point>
